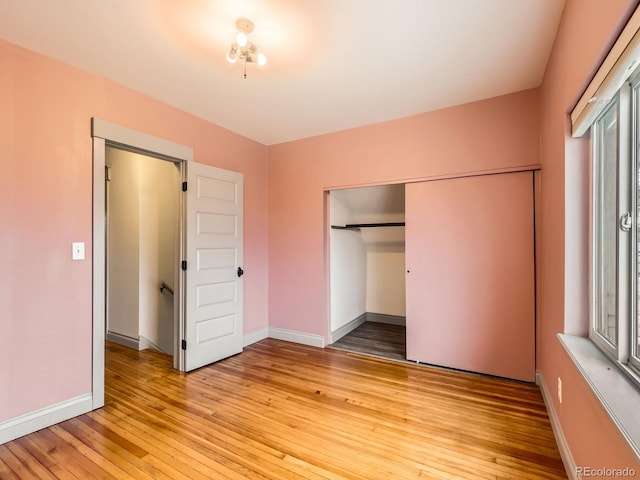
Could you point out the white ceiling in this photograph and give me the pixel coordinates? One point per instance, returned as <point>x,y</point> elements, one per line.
<point>332,64</point>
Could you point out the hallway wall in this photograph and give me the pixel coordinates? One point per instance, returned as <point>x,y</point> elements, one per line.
<point>123,258</point>
<point>159,224</point>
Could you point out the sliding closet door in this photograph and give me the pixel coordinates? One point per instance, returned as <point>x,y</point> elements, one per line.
<point>470,274</point>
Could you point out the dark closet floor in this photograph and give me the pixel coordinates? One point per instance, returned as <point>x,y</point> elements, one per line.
<point>378,339</point>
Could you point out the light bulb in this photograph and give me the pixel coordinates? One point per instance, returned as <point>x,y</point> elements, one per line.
<point>242,39</point>
<point>262,59</point>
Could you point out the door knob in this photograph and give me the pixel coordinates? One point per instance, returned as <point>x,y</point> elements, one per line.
<point>240,271</point>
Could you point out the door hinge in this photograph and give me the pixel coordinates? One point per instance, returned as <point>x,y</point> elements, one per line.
<point>183,265</point>
<point>184,344</point>
<point>184,186</point>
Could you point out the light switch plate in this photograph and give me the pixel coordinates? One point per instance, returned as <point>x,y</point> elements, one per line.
<point>77,251</point>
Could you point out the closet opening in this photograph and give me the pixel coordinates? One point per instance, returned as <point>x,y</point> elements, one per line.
<point>367,270</point>
<point>459,278</point>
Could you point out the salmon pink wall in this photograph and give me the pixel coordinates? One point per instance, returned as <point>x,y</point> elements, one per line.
<point>496,133</point>
<point>46,203</point>
<point>587,31</point>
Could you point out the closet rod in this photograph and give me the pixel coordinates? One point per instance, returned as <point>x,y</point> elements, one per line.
<point>368,225</point>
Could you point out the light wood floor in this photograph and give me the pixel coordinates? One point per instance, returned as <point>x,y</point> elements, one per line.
<point>284,411</point>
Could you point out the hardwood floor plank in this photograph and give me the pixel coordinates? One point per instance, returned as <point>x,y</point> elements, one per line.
<point>221,443</point>
<point>286,411</point>
<point>161,456</point>
<point>43,457</point>
<point>243,430</point>
<point>91,433</point>
<point>69,462</point>
<point>189,441</point>
<point>31,464</point>
<point>100,458</point>
<point>12,467</point>
<point>272,379</point>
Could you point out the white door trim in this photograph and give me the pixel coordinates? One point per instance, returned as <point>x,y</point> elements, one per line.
<point>105,133</point>
<point>99,273</point>
<point>117,135</point>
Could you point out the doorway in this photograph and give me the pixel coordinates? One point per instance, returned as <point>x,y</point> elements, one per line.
<point>142,228</point>
<point>367,270</point>
<point>208,290</point>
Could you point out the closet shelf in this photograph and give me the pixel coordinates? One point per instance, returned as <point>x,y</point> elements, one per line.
<point>353,226</point>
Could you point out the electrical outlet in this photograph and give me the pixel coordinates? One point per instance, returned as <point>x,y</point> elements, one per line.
<point>77,251</point>
<point>559,390</point>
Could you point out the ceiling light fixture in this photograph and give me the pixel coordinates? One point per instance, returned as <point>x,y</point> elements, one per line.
<point>243,49</point>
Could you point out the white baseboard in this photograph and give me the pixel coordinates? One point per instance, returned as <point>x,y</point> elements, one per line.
<point>43,418</point>
<point>145,344</point>
<point>297,337</point>
<point>563,446</point>
<point>349,327</point>
<point>123,340</point>
<point>254,337</point>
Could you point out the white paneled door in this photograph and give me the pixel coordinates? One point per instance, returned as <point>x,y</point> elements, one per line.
<point>213,299</point>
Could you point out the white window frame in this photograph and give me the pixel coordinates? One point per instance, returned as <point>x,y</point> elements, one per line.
<point>594,245</point>
<point>634,327</point>
<point>621,352</point>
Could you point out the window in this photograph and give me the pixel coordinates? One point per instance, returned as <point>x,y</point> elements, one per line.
<point>609,109</point>
<point>615,248</point>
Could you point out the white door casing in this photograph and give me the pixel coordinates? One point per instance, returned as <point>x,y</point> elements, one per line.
<point>213,282</point>
<point>105,133</point>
